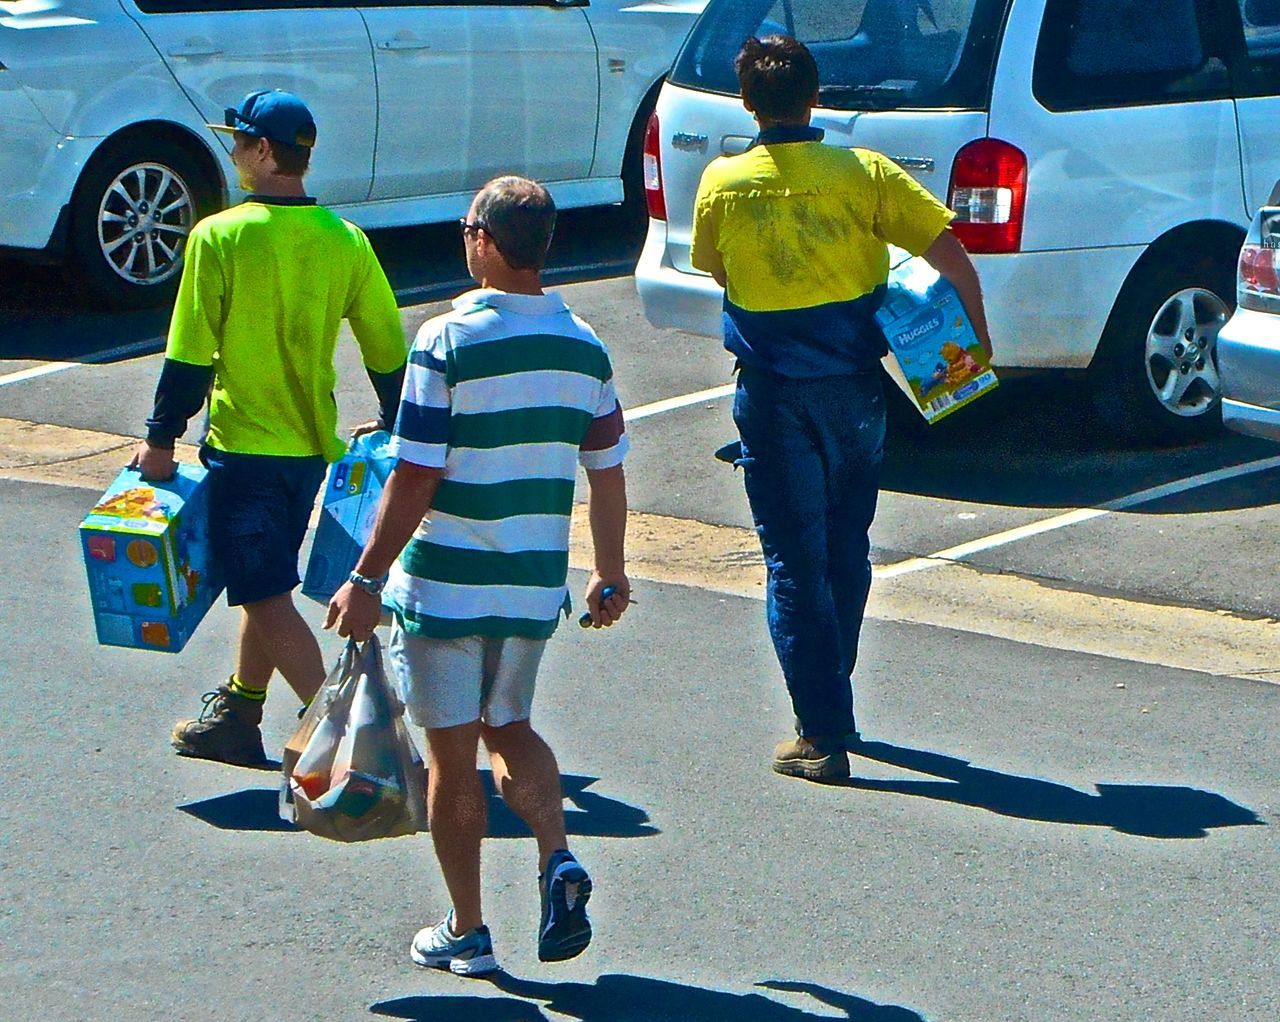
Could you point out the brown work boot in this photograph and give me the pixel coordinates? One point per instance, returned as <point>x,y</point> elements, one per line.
<point>818,758</point>
<point>227,730</point>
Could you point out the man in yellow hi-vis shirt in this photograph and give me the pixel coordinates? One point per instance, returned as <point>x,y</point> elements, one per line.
<point>264,289</point>
<point>796,232</point>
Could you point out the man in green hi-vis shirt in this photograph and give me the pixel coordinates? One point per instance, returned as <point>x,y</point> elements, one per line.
<point>264,289</point>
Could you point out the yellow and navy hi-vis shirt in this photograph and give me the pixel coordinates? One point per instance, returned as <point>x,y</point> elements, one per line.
<point>799,229</point>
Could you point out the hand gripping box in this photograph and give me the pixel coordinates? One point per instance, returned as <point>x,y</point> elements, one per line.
<point>932,339</point>
<point>349,506</point>
<point>146,550</point>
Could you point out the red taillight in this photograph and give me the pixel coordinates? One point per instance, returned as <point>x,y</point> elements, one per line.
<point>1258,271</point>
<point>989,194</point>
<point>656,201</point>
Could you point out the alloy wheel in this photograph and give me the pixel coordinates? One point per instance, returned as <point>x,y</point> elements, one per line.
<point>143,221</point>
<point>1181,351</point>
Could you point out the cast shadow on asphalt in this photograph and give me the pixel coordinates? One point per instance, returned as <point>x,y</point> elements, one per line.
<point>1037,443</point>
<point>620,998</point>
<point>595,815</point>
<point>47,315</point>
<point>1143,810</point>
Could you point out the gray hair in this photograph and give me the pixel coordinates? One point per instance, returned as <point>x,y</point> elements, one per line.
<point>520,216</point>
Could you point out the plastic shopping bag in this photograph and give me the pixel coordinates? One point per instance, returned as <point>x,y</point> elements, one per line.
<point>351,770</point>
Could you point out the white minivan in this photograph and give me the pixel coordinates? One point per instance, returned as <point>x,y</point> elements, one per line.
<point>1103,156</point>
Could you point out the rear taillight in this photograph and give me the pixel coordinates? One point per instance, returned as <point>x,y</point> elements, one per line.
<point>1258,274</point>
<point>989,194</point>
<point>656,201</point>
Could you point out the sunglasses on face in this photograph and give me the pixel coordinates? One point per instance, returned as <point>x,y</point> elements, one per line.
<point>468,227</point>
<point>232,118</point>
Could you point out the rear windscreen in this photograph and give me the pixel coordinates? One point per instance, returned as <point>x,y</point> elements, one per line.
<point>871,54</point>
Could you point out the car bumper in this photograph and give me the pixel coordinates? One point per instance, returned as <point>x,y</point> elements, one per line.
<point>1249,364</point>
<point>1033,300</point>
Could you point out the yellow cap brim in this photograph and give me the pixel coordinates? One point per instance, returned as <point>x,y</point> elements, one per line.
<point>222,128</point>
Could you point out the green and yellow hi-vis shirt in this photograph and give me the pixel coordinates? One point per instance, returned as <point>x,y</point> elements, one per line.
<point>264,290</point>
<point>800,231</point>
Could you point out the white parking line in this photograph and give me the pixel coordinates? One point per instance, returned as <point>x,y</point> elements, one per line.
<point>1069,518</point>
<point>429,292</point>
<point>147,347</point>
<point>905,567</point>
<point>672,403</point>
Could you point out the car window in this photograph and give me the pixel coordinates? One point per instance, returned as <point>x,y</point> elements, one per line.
<point>1261,72</point>
<point>1099,53</point>
<point>871,54</point>
<point>205,6</point>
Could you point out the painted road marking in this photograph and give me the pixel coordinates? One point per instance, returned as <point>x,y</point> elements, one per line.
<point>672,403</point>
<point>958,553</point>
<point>423,293</point>
<point>726,559</point>
<point>136,349</point>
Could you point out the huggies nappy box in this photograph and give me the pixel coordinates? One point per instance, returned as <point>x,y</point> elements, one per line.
<point>349,506</point>
<point>146,551</point>
<point>932,340</point>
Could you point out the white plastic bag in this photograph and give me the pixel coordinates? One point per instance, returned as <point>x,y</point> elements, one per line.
<point>357,774</point>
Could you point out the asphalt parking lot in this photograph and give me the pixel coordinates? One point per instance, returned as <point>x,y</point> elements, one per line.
<point>1066,814</point>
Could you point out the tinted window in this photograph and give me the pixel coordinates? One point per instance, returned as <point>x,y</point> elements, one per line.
<point>1261,72</point>
<point>1098,53</point>
<point>871,54</point>
<point>204,6</point>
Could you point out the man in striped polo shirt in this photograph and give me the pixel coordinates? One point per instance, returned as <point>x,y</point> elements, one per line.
<point>504,397</point>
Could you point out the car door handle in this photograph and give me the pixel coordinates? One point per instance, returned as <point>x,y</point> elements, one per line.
<point>734,145</point>
<point>404,44</point>
<point>196,50</point>
<point>924,164</point>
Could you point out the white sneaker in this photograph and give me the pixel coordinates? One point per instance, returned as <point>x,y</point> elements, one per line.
<point>435,947</point>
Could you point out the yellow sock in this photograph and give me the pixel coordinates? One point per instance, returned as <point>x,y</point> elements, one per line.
<point>239,688</point>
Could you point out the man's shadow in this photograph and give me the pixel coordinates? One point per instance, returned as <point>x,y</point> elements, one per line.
<point>594,815</point>
<point>1146,810</point>
<point>621,998</point>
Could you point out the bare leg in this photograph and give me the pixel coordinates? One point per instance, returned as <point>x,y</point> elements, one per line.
<point>254,665</point>
<point>458,817</point>
<point>285,640</point>
<point>527,777</point>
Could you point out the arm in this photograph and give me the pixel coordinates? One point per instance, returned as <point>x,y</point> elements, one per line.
<point>375,321</point>
<point>180,393</point>
<point>949,258</point>
<point>607,513</point>
<point>194,336</point>
<point>405,502</point>
<point>388,387</point>
<point>703,251</point>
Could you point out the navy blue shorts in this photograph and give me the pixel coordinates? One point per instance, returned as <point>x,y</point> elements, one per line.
<point>259,507</point>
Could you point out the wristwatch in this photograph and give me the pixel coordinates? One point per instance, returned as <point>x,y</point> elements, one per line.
<point>372,586</point>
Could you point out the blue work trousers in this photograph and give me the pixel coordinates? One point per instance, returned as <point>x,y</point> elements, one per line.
<point>811,453</point>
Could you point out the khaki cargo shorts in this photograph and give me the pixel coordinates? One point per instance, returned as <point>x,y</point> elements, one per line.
<point>447,682</point>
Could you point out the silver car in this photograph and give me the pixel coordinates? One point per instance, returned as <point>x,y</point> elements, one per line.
<point>1249,344</point>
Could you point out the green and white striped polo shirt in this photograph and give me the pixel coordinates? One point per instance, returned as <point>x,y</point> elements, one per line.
<point>507,394</point>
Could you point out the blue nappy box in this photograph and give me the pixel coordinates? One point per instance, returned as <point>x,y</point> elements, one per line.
<point>349,506</point>
<point>932,339</point>
<point>146,550</point>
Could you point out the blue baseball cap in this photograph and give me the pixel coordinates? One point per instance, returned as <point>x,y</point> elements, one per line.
<point>271,113</point>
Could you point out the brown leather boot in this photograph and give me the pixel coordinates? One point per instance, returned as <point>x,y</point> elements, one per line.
<point>227,730</point>
<point>817,758</point>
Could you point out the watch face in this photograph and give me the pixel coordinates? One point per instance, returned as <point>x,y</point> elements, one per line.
<point>370,585</point>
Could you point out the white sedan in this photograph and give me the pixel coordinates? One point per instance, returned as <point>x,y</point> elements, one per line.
<point>105,158</point>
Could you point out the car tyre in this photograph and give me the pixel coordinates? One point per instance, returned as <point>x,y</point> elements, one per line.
<point>130,216</point>
<point>1155,377</point>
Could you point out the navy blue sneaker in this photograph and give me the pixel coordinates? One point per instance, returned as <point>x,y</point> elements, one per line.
<point>565,887</point>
